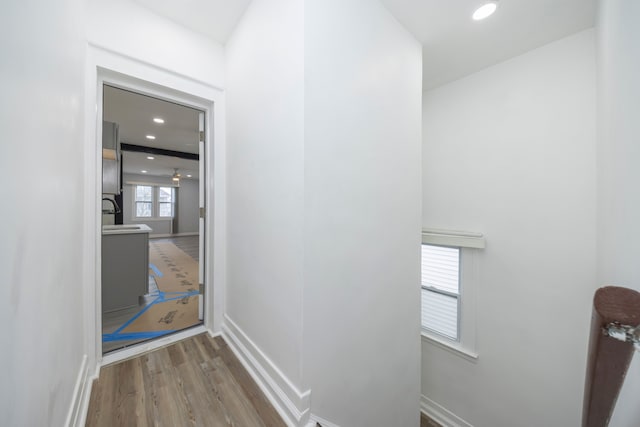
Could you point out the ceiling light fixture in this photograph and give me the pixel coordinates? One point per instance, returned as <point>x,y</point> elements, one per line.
<point>176,176</point>
<point>143,171</point>
<point>188,176</point>
<point>158,120</point>
<point>150,157</point>
<point>485,11</point>
<point>151,137</point>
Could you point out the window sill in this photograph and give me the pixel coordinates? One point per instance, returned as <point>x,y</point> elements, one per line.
<point>451,347</point>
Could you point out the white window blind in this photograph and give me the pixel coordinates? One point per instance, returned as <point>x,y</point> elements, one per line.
<point>440,289</point>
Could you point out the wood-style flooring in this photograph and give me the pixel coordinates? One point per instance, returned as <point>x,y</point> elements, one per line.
<point>195,382</point>
<point>427,422</point>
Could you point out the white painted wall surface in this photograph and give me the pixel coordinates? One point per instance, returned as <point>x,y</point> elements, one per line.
<point>511,152</point>
<point>362,214</point>
<point>265,156</point>
<point>188,207</point>
<point>129,29</point>
<point>619,169</point>
<point>41,117</point>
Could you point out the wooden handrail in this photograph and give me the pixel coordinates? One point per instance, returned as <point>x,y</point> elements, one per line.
<point>608,358</point>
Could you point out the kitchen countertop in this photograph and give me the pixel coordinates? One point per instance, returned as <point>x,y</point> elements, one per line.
<point>126,229</point>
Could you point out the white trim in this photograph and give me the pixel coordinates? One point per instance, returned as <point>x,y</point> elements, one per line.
<point>150,184</point>
<point>292,405</point>
<point>466,345</point>
<point>158,236</point>
<point>155,203</point>
<point>106,66</point>
<point>314,419</point>
<point>170,74</point>
<point>77,414</point>
<point>143,219</point>
<point>441,414</point>
<point>462,239</point>
<point>450,346</point>
<point>147,346</point>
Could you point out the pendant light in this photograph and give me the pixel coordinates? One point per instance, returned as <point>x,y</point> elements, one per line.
<point>176,177</point>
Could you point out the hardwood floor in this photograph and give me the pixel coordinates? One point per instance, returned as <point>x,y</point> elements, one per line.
<point>427,422</point>
<point>195,382</point>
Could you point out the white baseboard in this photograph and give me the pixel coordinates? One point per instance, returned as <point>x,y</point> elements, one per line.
<point>314,420</point>
<point>77,414</point>
<point>162,236</point>
<point>292,405</point>
<point>440,414</point>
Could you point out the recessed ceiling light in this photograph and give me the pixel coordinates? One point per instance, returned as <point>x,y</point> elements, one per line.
<point>158,120</point>
<point>485,11</point>
<point>151,137</point>
<point>150,157</point>
<point>188,176</point>
<point>143,171</point>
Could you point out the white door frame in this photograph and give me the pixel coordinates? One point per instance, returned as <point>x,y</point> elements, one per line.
<point>104,66</point>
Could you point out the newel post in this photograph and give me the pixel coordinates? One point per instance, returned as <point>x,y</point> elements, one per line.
<point>608,358</point>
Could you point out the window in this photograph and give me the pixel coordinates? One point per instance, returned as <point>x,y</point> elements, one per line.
<point>152,201</point>
<point>144,201</point>
<point>448,292</point>
<point>441,289</point>
<point>165,201</point>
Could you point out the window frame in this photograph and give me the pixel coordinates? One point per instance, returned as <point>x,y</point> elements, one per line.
<point>468,244</point>
<point>447,294</point>
<point>155,202</point>
<point>136,201</point>
<point>172,203</point>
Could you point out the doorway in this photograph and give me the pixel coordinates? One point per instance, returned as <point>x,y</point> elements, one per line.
<point>153,198</point>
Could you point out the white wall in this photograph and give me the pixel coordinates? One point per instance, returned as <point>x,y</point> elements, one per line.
<point>362,214</point>
<point>265,180</point>
<point>619,168</point>
<point>511,152</point>
<point>41,117</point>
<point>129,29</point>
<point>188,204</point>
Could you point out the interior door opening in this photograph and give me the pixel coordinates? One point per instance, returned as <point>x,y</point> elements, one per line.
<point>153,198</point>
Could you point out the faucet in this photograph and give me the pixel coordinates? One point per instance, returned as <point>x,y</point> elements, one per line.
<point>116,208</point>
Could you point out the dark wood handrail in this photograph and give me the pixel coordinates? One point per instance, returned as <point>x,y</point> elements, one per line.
<point>608,358</point>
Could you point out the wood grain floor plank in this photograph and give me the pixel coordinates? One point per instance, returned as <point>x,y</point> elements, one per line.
<point>264,408</point>
<point>231,395</point>
<point>186,384</point>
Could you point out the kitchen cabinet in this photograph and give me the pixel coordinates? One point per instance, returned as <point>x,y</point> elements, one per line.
<point>125,265</point>
<point>110,158</point>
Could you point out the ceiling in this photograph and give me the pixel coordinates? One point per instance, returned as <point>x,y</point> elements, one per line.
<point>213,18</point>
<point>134,113</point>
<point>453,44</point>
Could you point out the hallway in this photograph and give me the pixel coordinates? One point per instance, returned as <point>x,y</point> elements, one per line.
<point>197,381</point>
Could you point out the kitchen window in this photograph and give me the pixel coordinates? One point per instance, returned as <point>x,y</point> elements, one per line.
<point>151,201</point>
<point>448,289</point>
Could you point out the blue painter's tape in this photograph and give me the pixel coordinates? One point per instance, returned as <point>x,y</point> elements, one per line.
<point>138,314</point>
<point>134,335</point>
<point>159,299</point>
<point>155,270</point>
